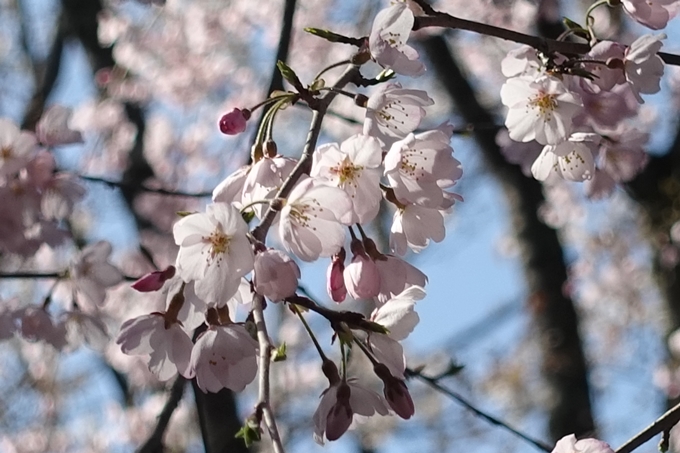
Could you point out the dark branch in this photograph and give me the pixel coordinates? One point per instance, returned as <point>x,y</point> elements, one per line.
<point>155,442</point>
<point>662,424</point>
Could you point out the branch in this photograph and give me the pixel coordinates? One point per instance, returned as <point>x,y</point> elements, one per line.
<point>143,188</point>
<point>434,383</point>
<point>263,401</point>
<point>661,425</point>
<point>155,442</point>
<point>304,165</point>
<point>48,275</point>
<point>545,45</point>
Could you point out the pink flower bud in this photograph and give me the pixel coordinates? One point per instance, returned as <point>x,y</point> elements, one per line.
<point>335,282</point>
<point>154,280</point>
<point>234,122</point>
<point>396,393</point>
<point>362,277</point>
<point>340,416</point>
<point>275,275</point>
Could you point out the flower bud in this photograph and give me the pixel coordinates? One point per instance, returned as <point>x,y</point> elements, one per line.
<point>275,275</point>
<point>340,416</point>
<point>154,281</point>
<point>362,277</point>
<point>234,122</point>
<point>335,282</point>
<point>396,393</point>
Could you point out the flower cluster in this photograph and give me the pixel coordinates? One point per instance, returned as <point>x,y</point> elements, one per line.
<point>221,265</point>
<point>577,109</point>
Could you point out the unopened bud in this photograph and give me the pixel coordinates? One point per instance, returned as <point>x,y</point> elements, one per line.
<point>396,393</point>
<point>234,122</point>
<point>361,100</point>
<point>154,281</point>
<point>270,148</point>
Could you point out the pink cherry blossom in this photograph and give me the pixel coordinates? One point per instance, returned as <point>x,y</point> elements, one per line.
<point>275,275</point>
<point>392,112</point>
<point>395,273</point>
<point>335,281</point>
<point>622,153</point>
<point>53,128</point>
<point>650,13</point>
<point>361,275</point>
<point>38,325</point>
<point>420,166</point>
<point>605,77</point>
<point>523,60</point>
<point>214,251</point>
<point>224,356</point>
<point>234,122</point>
<point>339,402</point>
<point>354,166</point>
<point>311,223</point>
<point>396,393</point>
<point>154,281</point>
<point>413,226</point>
<point>540,109</point>
<point>387,41</point>
<point>569,444</point>
<point>91,273</point>
<point>643,67</point>
<point>16,147</point>
<point>162,340</point>
<point>572,159</point>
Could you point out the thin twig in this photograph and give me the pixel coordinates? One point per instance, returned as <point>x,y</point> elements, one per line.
<point>263,381</point>
<point>47,275</point>
<point>662,424</point>
<point>544,45</point>
<point>136,185</point>
<point>434,383</point>
<point>154,443</point>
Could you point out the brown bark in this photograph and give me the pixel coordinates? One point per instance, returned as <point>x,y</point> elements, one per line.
<point>563,362</point>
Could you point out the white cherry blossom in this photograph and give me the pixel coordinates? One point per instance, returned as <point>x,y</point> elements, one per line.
<point>569,444</point>
<point>91,273</point>
<point>354,166</point>
<point>164,341</point>
<point>540,109</point>
<point>420,166</point>
<point>275,275</point>
<point>224,356</point>
<point>16,147</point>
<point>311,223</point>
<point>413,226</point>
<point>572,159</point>
<point>643,67</point>
<point>214,251</point>
<point>650,13</point>
<point>387,41</point>
<point>392,112</point>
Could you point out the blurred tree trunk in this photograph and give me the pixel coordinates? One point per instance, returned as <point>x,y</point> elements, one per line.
<point>657,191</point>
<point>218,415</point>
<point>563,363</point>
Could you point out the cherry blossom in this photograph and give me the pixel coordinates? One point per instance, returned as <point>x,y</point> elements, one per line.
<point>392,112</point>
<point>154,281</point>
<point>354,166</point>
<point>91,273</point>
<point>569,444</point>
<point>335,280</point>
<point>156,335</point>
<point>540,109</point>
<point>650,13</point>
<point>387,41</point>
<point>361,275</point>
<point>53,128</point>
<point>572,159</point>
<point>38,325</point>
<point>224,356</point>
<point>642,66</point>
<point>275,275</point>
<point>523,60</point>
<point>311,223</point>
<point>413,226</point>
<point>214,251</point>
<point>16,147</point>
<point>265,179</point>
<point>420,166</point>
<point>234,122</point>
<point>339,402</point>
